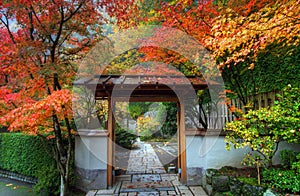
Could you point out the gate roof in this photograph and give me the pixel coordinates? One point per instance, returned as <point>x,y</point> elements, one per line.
<point>143,87</point>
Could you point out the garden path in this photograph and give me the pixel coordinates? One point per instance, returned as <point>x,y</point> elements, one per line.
<point>146,176</point>
<point>144,161</point>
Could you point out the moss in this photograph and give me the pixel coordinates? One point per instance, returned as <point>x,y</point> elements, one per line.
<point>251,181</point>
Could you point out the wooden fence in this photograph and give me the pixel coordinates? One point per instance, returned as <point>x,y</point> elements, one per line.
<point>216,115</point>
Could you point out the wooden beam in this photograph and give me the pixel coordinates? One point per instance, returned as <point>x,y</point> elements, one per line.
<point>142,99</point>
<point>105,80</point>
<point>183,177</point>
<point>148,86</point>
<point>150,99</point>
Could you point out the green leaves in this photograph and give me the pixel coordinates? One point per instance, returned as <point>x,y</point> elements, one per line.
<point>27,155</point>
<point>263,129</point>
<point>285,180</point>
<point>125,137</point>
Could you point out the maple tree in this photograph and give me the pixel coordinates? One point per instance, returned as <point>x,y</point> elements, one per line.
<point>40,40</point>
<point>234,32</point>
<point>242,35</point>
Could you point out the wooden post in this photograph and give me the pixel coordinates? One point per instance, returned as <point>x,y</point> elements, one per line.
<point>113,141</point>
<point>109,143</point>
<point>182,143</point>
<point>178,139</point>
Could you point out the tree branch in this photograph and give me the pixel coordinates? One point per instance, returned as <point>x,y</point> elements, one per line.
<point>6,24</point>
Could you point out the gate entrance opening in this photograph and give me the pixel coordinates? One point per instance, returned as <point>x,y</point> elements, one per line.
<point>144,88</point>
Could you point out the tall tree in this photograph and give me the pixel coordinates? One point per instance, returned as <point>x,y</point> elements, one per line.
<point>243,34</point>
<point>39,41</point>
<point>234,32</point>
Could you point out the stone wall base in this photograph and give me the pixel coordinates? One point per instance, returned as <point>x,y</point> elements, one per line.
<point>90,179</point>
<point>195,176</point>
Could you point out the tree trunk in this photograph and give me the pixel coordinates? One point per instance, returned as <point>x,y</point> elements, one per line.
<point>62,154</point>
<point>64,186</point>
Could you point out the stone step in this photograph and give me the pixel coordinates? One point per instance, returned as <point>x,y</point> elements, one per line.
<point>146,186</point>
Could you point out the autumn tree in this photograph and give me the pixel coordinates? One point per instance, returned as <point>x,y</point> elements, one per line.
<point>243,34</point>
<point>39,42</point>
<point>235,32</point>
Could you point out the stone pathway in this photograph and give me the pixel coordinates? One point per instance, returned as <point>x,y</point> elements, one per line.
<point>146,176</point>
<point>144,161</point>
<point>166,184</point>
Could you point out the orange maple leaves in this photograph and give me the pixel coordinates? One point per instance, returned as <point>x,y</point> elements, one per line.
<point>235,31</point>
<point>237,38</point>
<point>40,39</point>
<point>30,118</point>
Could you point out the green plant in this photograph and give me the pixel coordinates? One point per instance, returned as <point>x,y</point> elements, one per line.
<point>48,180</point>
<point>227,194</point>
<point>287,158</point>
<point>251,181</point>
<point>296,164</point>
<point>284,180</point>
<point>169,127</point>
<point>254,160</point>
<point>262,130</point>
<point>125,137</point>
<point>30,156</point>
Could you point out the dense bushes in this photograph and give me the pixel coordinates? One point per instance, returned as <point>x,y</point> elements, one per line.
<point>30,156</point>
<point>239,181</point>
<point>125,138</point>
<point>286,178</point>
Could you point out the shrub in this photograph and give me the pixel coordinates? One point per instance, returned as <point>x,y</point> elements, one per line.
<point>48,180</point>
<point>30,156</point>
<point>247,180</point>
<point>287,158</point>
<point>290,160</point>
<point>124,137</point>
<point>285,180</point>
<point>296,164</point>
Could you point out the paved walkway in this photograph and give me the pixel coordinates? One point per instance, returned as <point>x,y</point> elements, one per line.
<point>146,176</point>
<point>144,161</point>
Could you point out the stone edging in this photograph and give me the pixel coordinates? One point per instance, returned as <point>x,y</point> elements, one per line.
<point>217,183</point>
<point>16,176</point>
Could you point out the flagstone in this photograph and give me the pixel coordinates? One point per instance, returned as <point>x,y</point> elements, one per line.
<point>146,186</point>
<point>147,177</point>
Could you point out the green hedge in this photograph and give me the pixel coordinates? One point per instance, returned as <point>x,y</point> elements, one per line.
<point>27,155</point>
<point>125,138</point>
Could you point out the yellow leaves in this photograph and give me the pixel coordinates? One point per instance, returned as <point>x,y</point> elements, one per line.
<point>14,187</point>
<point>251,66</point>
<point>237,37</point>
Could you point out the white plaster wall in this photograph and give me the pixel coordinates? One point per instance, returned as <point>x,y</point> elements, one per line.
<point>210,152</point>
<point>91,152</point>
